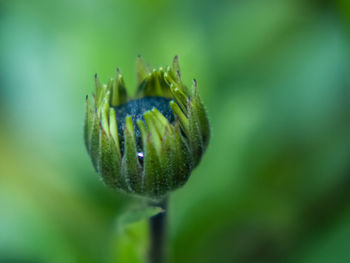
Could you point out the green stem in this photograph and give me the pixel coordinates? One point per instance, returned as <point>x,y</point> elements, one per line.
<point>158,225</point>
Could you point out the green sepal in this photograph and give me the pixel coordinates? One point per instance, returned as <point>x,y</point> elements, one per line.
<point>120,181</point>
<point>144,88</point>
<point>152,170</point>
<point>104,111</point>
<point>176,69</point>
<point>159,118</point>
<point>167,160</point>
<point>164,84</point>
<point>98,89</point>
<point>100,92</point>
<point>180,97</point>
<point>115,149</point>
<point>88,124</point>
<point>152,129</point>
<point>160,122</point>
<point>143,132</point>
<point>170,76</point>
<point>119,94</point>
<point>113,129</point>
<point>182,118</point>
<point>150,86</point>
<point>157,88</point>
<point>109,164</point>
<point>201,115</point>
<point>182,159</point>
<point>131,169</point>
<point>177,75</point>
<point>195,138</point>
<point>152,177</point>
<point>95,141</point>
<point>142,70</point>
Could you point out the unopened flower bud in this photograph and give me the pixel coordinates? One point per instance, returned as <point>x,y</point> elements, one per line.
<point>149,144</point>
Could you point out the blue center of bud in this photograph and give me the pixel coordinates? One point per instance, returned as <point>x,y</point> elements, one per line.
<point>135,109</point>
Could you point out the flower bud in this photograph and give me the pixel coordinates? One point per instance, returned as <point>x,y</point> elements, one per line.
<point>149,144</point>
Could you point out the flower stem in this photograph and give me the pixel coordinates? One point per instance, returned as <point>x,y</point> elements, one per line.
<point>158,225</point>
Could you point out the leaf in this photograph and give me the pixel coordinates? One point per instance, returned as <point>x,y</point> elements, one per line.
<point>134,215</point>
<point>132,235</point>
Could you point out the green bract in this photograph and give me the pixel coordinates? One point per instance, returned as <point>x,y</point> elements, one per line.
<point>147,145</point>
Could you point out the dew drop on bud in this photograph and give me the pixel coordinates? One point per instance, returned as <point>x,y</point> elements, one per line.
<point>140,156</point>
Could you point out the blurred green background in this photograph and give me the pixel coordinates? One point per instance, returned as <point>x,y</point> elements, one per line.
<point>274,185</point>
